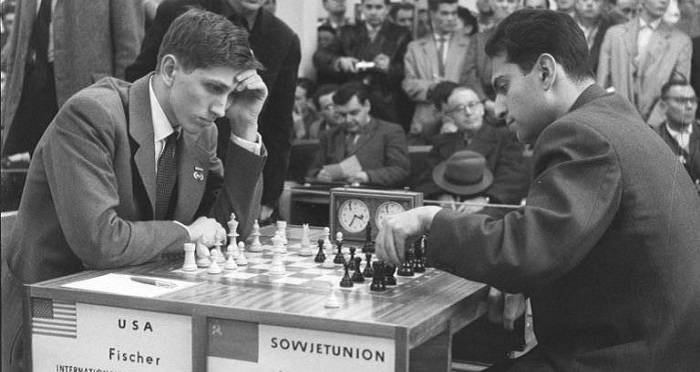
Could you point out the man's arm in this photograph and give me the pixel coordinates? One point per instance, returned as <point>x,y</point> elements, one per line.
<point>511,176</point>
<point>127,32</point>
<point>682,67</point>
<point>397,166</point>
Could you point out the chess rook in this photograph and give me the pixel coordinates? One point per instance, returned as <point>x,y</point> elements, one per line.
<point>190,263</point>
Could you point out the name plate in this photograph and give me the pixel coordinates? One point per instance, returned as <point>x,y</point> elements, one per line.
<point>243,346</point>
<point>75,336</point>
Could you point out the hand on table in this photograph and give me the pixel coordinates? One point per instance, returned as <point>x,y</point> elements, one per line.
<point>504,308</point>
<point>359,177</point>
<point>399,228</point>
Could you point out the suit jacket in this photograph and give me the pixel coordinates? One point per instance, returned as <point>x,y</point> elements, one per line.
<point>667,55</point>
<point>90,192</point>
<point>606,247</point>
<point>384,88</point>
<point>594,53</point>
<point>695,68</point>
<point>277,47</point>
<point>381,150</point>
<point>504,158</point>
<point>690,159</point>
<point>477,71</point>
<point>421,68</point>
<point>92,39</point>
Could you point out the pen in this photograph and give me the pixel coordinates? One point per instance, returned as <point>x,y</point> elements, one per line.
<point>155,282</point>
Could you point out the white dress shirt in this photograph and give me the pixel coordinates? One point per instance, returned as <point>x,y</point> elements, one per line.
<point>682,137</point>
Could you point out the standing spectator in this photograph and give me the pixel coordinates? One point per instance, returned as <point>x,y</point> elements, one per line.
<point>56,49</point>
<point>466,22</point>
<point>695,68</point>
<point>277,48</point>
<point>270,6</point>
<point>477,65</point>
<point>589,16</point>
<point>304,113</point>
<point>336,14</point>
<point>485,15</point>
<point>402,14</point>
<point>326,36</point>
<point>372,51</point>
<point>328,117</point>
<point>625,9</point>
<point>690,17</point>
<point>681,130</point>
<point>639,56</point>
<point>430,60</point>
<point>536,4</point>
<point>566,6</point>
<point>7,21</point>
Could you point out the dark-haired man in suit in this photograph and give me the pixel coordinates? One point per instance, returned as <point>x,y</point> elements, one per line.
<point>607,245</point>
<point>276,46</point>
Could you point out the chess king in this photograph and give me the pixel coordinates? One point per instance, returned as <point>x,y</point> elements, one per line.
<point>128,172</point>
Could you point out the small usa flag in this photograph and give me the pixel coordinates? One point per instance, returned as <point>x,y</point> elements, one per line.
<point>54,318</point>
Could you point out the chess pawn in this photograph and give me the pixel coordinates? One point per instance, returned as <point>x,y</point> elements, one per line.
<point>332,302</point>
<point>203,255</point>
<point>346,282</point>
<point>230,261</point>
<point>214,267</point>
<point>326,236</point>
<point>282,228</point>
<point>255,246</point>
<point>282,245</point>
<point>277,244</point>
<point>217,254</point>
<point>241,259</point>
<point>368,272</point>
<point>352,258</point>
<point>328,264</point>
<point>190,263</point>
<point>389,278</point>
<point>305,235</point>
<point>321,255</point>
<point>277,265</point>
<point>339,259</point>
<point>357,277</point>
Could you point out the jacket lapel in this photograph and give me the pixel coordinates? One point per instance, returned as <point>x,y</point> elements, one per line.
<point>455,56</point>
<point>430,54</point>
<point>658,45</point>
<point>141,131</point>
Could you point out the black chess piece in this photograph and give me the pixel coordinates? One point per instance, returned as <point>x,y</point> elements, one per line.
<point>368,272</point>
<point>378,283</point>
<point>368,247</point>
<point>357,276</point>
<point>352,258</point>
<point>339,258</point>
<point>419,260</point>
<point>346,282</point>
<point>320,256</point>
<point>406,268</point>
<point>389,274</point>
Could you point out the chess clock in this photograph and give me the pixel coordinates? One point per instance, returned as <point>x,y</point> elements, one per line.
<point>353,209</point>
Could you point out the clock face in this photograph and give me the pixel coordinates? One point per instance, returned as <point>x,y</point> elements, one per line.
<point>353,215</point>
<point>387,209</point>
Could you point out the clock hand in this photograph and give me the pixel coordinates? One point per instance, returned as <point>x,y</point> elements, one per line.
<point>352,220</point>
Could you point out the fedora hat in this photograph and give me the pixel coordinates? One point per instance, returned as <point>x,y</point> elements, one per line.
<point>463,173</point>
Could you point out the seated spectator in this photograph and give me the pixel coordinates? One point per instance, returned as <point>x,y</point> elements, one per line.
<point>463,177</point>
<point>328,118</point>
<point>536,4</point>
<point>594,23</point>
<point>402,15</point>
<point>681,130</point>
<point>304,112</point>
<point>362,149</point>
<point>689,21</point>
<point>464,129</point>
<point>624,10</point>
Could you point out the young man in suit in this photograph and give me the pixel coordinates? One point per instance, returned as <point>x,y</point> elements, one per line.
<point>127,173</point>
<point>681,130</point>
<point>431,59</point>
<point>277,48</point>
<point>361,149</point>
<point>607,244</point>
<point>638,57</point>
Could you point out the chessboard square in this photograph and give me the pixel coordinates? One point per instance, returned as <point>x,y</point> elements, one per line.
<point>292,258</point>
<point>258,266</point>
<point>240,275</point>
<point>304,264</point>
<point>315,271</point>
<point>287,273</point>
<point>329,279</point>
<point>306,276</point>
<point>290,280</point>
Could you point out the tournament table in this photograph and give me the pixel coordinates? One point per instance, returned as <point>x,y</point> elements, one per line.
<point>108,321</point>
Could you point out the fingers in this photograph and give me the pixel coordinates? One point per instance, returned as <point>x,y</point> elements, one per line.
<point>249,80</point>
<point>513,308</point>
<point>495,305</point>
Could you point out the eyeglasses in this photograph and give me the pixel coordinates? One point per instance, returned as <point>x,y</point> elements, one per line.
<point>683,100</point>
<point>462,108</point>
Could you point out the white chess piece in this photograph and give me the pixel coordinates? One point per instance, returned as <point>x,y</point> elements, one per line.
<point>277,265</point>
<point>190,263</point>
<point>326,236</point>
<point>328,251</point>
<point>332,302</point>
<point>282,228</point>
<point>231,260</point>
<point>214,267</point>
<point>306,249</point>
<point>241,260</point>
<point>216,253</point>
<point>255,246</point>
<point>203,255</point>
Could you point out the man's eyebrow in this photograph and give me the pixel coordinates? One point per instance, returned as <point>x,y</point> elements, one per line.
<point>218,84</point>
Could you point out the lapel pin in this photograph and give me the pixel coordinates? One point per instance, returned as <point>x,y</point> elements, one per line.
<point>198,174</point>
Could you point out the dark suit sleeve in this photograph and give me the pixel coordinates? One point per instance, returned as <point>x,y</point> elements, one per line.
<point>397,166</point>
<point>511,177</point>
<point>396,72</point>
<point>276,124</point>
<point>146,60</point>
<point>78,156</point>
<point>570,206</point>
<point>320,156</point>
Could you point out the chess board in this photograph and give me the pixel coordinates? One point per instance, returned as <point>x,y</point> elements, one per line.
<point>301,272</point>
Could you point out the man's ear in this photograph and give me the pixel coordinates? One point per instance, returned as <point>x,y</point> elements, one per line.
<point>546,69</point>
<point>168,68</point>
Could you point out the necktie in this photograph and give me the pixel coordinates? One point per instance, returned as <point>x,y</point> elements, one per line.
<point>441,40</point>
<point>40,40</point>
<point>166,177</point>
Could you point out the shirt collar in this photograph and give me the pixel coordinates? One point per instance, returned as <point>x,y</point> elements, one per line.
<point>162,127</point>
<point>445,37</point>
<point>676,133</point>
<point>653,24</point>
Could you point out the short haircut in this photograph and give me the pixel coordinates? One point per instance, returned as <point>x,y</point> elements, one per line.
<point>434,4</point>
<point>400,6</point>
<point>441,92</point>
<point>345,92</point>
<point>674,82</point>
<point>308,85</point>
<point>526,34</point>
<point>468,19</point>
<point>325,27</point>
<point>202,39</point>
<point>324,90</point>
<point>6,8</point>
<point>386,2</point>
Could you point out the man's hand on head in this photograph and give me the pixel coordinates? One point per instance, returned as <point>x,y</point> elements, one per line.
<point>247,100</point>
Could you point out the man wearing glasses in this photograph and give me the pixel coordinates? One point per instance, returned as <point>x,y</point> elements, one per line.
<point>681,130</point>
<point>463,129</point>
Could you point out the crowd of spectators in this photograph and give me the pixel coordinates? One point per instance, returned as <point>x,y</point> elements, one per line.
<point>397,52</point>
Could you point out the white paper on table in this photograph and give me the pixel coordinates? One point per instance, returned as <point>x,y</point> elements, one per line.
<point>350,166</point>
<point>122,284</point>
